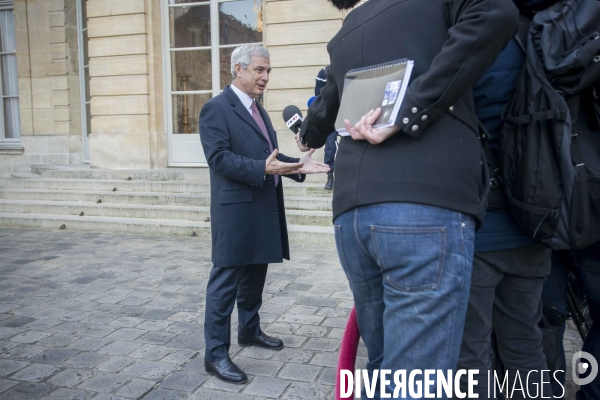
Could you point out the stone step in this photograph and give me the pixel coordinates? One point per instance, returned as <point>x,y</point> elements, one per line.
<point>290,189</point>
<point>297,234</point>
<point>185,213</point>
<point>85,172</point>
<point>201,200</point>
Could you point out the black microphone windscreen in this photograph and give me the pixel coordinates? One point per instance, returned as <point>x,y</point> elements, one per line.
<point>289,112</point>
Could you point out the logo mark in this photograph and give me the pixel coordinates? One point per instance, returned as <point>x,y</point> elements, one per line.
<point>584,363</point>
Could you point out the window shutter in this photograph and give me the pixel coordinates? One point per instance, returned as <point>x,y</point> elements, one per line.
<point>6,4</point>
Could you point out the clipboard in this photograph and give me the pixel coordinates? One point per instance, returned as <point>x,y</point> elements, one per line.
<point>382,85</point>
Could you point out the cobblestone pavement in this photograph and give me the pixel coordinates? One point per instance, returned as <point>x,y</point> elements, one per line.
<point>117,316</point>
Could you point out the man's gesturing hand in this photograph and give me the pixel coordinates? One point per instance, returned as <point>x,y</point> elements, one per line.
<point>311,166</point>
<point>276,167</point>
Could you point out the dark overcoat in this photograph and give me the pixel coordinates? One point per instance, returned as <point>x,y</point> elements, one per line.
<point>247,211</point>
<point>436,158</point>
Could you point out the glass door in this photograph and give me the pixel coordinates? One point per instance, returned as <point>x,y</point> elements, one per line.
<point>198,40</point>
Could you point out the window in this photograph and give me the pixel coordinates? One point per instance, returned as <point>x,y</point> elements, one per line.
<point>84,77</point>
<point>10,120</point>
<point>200,39</point>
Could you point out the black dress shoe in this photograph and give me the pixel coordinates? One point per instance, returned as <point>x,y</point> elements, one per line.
<point>261,340</point>
<point>226,371</point>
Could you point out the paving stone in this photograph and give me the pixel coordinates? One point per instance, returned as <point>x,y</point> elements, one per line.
<point>7,332</point>
<point>184,328</point>
<point>322,344</point>
<point>26,391</point>
<point>156,337</point>
<point>179,356</point>
<point>66,394</point>
<point>325,359</point>
<point>266,387</point>
<point>183,381</point>
<point>115,364</point>
<point>292,340</point>
<point>155,326</point>
<point>217,384</point>
<point>23,352</point>
<point>104,383</point>
<point>210,394</point>
<point>70,377</point>
<point>150,369</point>
<point>281,327</point>
<point>136,388</point>
<point>75,315</point>
<point>86,360</point>
<point>328,376</point>
<point>35,373</point>
<point>301,319</point>
<point>70,327</point>
<point>312,331</point>
<point>303,391</point>
<point>192,342</point>
<point>151,352</point>
<point>7,367</point>
<point>89,344</point>
<point>336,333</point>
<point>5,384</point>
<point>96,330</point>
<point>254,366</point>
<point>120,348</point>
<point>54,356</point>
<point>43,324</point>
<point>127,322</point>
<point>300,372</point>
<point>30,337</point>
<point>293,355</point>
<point>99,318</point>
<point>257,352</point>
<point>126,334</point>
<point>164,394</point>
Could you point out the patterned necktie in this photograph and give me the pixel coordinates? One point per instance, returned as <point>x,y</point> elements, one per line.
<point>261,124</point>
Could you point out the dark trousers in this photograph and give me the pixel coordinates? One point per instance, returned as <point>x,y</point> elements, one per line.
<point>225,286</point>
<point>330,150</point>
<point>586,266</point>
<point>506,288</point>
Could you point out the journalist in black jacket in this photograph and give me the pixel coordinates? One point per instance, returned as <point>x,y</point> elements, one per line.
<point>436,158</point>
<point>405,205</point>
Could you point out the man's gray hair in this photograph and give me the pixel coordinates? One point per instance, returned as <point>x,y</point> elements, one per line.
<point>243,55</point>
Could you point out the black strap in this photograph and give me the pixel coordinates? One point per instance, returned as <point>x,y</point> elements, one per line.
<point>523,30</point>
<point>581,175</point>
<point>558,115</point>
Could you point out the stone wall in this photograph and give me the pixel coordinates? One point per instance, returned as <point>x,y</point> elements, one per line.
<point>46,47</point>
<point>297,33</point>
<point>126,84</point>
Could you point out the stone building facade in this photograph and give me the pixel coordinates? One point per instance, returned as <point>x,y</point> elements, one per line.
<point>120,83</point>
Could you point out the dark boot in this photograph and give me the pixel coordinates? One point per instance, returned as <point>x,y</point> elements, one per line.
<point>329,184</point>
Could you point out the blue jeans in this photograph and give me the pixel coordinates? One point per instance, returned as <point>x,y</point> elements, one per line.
<point>409,268</point>
<point>586,266</point>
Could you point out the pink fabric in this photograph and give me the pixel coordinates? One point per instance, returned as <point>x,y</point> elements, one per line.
<point>348,349</point>
<point>261,124</point>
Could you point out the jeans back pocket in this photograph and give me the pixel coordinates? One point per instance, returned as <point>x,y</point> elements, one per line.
<point>411,258</point>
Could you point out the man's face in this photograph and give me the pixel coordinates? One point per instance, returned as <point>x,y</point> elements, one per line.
<point>253,80</point>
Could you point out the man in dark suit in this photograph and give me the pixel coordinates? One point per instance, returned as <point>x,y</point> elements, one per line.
<point>247,212</point>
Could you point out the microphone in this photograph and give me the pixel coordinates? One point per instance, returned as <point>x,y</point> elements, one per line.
<point>310,101</point>
<point>293,118</point>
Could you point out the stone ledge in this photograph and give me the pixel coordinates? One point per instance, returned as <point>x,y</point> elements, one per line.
<point>11,148</point>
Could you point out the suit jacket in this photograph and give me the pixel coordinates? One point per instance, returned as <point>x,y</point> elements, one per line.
<point>436,158</point>
<point>247,211</point>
